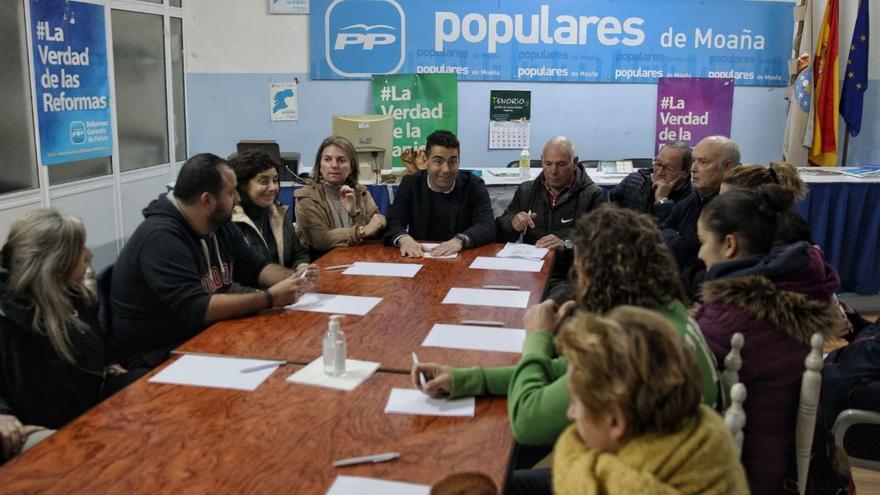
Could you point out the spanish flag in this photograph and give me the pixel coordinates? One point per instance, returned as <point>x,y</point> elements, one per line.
<point>824,150</point>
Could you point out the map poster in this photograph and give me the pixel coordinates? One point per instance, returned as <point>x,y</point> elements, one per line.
<point>691,108</point>
<point>283,101</point>
<point>419,103</point>
<point>510,113</point>
<point>72,84</point>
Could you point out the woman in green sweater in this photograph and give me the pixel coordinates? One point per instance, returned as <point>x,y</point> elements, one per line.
<point>619,258</point>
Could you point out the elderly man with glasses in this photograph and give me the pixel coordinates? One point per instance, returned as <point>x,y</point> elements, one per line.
<point>656,191</point>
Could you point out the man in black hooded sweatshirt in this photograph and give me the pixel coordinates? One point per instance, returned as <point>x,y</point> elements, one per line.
<point>172,278</point>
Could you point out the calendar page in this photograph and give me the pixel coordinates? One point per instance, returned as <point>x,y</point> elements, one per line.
<point>509,135</point>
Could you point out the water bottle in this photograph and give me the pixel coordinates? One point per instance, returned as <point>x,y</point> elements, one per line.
<point>334,348</point>
<point>524,164</point>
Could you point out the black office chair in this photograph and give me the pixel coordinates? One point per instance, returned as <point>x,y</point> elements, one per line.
<point>589,163</point>
<point>641,162</point>
<point>534,164</point>
<point>288,161</point>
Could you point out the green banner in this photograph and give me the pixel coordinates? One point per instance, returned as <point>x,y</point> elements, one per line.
<point>419,103</point>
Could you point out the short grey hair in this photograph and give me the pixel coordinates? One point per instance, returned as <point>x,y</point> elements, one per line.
<point>687,153</point>
<point>561,142</point>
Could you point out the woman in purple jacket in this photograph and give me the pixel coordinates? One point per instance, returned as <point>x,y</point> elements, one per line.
<point>777,297</point>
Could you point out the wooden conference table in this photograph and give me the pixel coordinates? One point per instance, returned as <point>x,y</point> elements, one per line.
<point>395,327</point>
<point>282,437</point>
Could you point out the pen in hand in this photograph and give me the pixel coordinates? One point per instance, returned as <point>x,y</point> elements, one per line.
<point>422,380</point>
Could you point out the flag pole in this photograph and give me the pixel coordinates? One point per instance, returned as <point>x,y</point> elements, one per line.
<point>845,144</point>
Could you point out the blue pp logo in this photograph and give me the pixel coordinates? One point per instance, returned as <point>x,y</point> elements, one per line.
<point>364,37</point>
<point>77,132</point>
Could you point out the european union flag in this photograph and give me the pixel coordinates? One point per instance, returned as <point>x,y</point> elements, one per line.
<point>855,81</point>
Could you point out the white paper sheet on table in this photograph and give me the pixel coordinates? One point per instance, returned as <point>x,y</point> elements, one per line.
<point>358,485</point>
<point>356,372</point>
<point>215,372</point>
<point>517,250</point>
<point>429,245</point>
<point>412,401</point>
<point>488,297</point>
<point>508,264</point>
<point>335,304</point>
<point>475,337</point>
<point>407,270</point>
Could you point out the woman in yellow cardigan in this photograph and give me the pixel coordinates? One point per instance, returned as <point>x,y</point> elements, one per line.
<point>638,426</point>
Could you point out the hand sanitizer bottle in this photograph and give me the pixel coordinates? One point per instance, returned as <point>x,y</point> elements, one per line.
<point>524,164</point>
<point>334,348</point>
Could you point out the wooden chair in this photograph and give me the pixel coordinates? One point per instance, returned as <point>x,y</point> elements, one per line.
<point>732,364</point>
<point>735,415</point>
<point>844,421</point>
<point>811,385</point>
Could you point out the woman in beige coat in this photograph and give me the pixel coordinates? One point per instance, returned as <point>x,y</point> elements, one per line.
<point>333,209</point>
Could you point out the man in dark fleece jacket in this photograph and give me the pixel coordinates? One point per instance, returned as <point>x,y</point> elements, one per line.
<point>172,278</point>
<point>441,203</point>
<point>656,191</point>
<point>544,210</point>
<point>713,157</point>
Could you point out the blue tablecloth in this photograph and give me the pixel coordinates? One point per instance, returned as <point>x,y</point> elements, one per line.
<point>844,220</point>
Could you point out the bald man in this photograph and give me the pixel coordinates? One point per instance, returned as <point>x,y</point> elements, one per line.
<point>712,158</point>
<point>543,211</point>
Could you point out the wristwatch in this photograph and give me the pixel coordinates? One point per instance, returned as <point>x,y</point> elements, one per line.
<point>465,240</point>
<point>662,201</point>
<point>568,244</point>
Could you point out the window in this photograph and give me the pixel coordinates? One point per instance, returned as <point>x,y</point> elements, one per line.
<point>141,112</point>
<point>17,125</point>
<point>177,82</point>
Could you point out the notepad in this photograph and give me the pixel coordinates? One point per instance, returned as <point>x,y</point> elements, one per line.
<point>515,250</point>
<point>429,245</point>
<point>358,485</point>
<point>488,297</point>
<point>507,264</point>
<point>335,304</point>
<point>412,401</point>
<point>356,372</point>
<point>215,372</point>
<point>407,270</point>
<point>475,337</point>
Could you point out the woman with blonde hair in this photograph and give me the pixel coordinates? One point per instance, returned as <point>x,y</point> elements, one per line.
<point>53,358</point>
<point>333,209</point>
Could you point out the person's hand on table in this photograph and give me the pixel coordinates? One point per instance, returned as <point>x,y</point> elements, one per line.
<point>347,197</point>
<point>288,291</point>
<point>312,272</point>
<point>13,435</point>
<point>409,247</point>
<point>523,220</point>
<point>438,383</point>
<point>550,241</point>
<point>547,316</point>
<point>452,246</point>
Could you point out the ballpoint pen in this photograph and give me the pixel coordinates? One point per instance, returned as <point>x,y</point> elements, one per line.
<point>387,456</point>
<point>422,380</point>
<point>502,287</point>
<point>487,323</point>
<point>261,367</point>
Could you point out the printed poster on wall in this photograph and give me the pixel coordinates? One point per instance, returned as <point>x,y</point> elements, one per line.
<point>288,6</point>
<point>73,89</point>
<point>283,101</point>
<point>689,109</point>
<point>510,113</point>
<point>419,103</point>
<point>624,41</point>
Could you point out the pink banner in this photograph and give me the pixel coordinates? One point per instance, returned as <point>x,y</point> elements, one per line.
<point>691,108</point>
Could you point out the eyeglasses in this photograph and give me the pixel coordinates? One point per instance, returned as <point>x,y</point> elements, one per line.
<point>659,167</point>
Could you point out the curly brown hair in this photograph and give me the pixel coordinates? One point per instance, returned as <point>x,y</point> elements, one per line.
<point>633,359</point>
<point>620,258</point>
